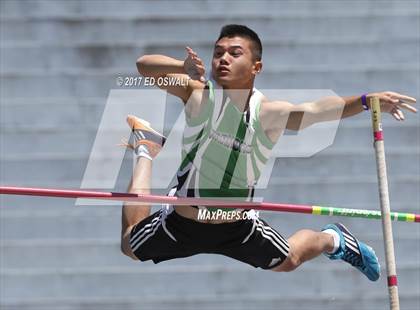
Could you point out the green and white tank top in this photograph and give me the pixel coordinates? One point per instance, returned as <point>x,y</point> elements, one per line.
<point>223,149</point>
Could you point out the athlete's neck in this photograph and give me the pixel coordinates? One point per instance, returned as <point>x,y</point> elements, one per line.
<point>238,92</point>
<point>238,97</point>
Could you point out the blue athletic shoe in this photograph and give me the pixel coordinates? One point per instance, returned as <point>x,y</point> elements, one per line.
<point>356,253</point>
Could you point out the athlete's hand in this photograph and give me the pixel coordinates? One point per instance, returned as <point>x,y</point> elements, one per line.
<point>194,66</point>
<point>393,103</point>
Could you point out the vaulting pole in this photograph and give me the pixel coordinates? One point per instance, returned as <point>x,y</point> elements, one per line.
<point>385,206</point>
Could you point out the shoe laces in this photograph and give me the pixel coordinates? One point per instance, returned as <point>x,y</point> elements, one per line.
<point>125,143</point>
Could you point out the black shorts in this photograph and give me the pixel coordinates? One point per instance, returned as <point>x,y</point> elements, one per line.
<point>166,235</point>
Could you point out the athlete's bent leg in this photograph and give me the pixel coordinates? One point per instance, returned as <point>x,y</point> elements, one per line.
<point>134,212</point>
<point>147,144</point>
<point>305,245</point>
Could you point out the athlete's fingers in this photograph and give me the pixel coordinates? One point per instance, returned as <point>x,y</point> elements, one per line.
<point>189,50</point>
<point>408,107</point>
<point>197,69</point>
<point>197,73</point>
<point>192,53</point>
<point>395,115</point>
<point>393,100</point>
<point>400,103</point>
<point>194,58</point>
<point>197,61</point>
<point>200,68</point>
<point>400,114</point>
<point>401,97</point>
<point>396,98</point>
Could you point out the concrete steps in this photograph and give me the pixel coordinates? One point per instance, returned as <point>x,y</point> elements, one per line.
<point>409,302</point>
<point>277,53</point>
<point>206,302</point>
<point>214,280</point>
<point>99,29</point>
<point>43,9</point>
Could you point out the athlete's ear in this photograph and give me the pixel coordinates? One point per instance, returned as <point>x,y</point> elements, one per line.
<point>257,67</point>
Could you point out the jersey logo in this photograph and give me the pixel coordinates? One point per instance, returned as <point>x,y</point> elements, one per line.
<point>230,142</point>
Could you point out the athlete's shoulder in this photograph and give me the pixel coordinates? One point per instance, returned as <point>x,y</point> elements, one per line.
<point>274,106</point>
<point>198,98</point>
<point>273,116</point>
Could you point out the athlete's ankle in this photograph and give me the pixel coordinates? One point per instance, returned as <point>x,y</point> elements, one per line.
<point>333,247</point>
<point>142,151</point>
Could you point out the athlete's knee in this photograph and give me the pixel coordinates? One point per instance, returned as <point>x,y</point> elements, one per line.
<point>289,264</point>
<point>127,251</point>
<point>125,244</point>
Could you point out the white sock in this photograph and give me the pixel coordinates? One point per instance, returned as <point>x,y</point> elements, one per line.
<point>142,151</point>
<point>336,237</point>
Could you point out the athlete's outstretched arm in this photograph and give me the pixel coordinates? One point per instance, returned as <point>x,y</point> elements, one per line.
<point>391,102</point>
<point>280,114</point>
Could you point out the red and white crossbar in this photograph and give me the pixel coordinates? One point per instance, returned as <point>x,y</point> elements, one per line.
<point>156,199</point>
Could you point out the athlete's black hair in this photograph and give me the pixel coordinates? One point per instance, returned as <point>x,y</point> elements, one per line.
<point>234,30</point>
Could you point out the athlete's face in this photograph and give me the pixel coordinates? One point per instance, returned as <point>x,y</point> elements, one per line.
<point>233,64</point>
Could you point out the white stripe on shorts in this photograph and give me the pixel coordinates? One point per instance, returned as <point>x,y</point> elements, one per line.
<point>272,241</point>
<point>144,231</point>
<point>280,239</point>
<point>266,234</point>
<point>144,228</point>
<point>149,233</point>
